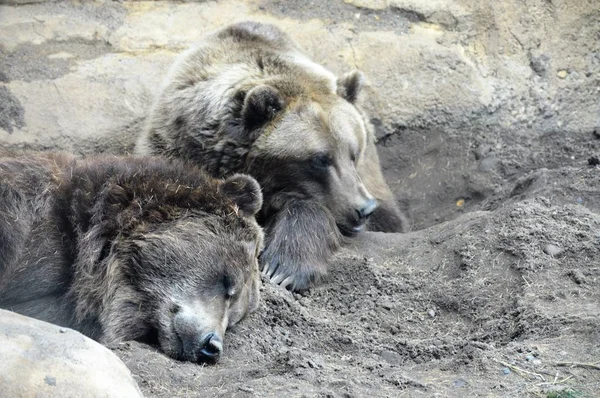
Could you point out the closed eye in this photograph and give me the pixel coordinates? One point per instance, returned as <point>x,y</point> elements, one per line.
<point>229,287</point>
<point>321,161</point>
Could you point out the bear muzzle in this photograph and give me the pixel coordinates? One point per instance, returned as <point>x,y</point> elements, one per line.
<point>196,340</point>
<point>200,348</point>
<point>357,220</point>
<point>366,209</point>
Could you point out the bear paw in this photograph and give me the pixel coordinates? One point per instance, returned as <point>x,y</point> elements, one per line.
<point>293,274</point>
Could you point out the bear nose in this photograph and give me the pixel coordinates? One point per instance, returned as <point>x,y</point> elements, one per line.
<point>211,348</point>
<point>367,208</point>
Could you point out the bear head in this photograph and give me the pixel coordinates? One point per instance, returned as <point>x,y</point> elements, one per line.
<point>178,257</point>
<point>308,140</point>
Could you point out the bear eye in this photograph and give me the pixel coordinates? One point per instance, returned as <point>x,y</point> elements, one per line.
<point>229,287</point>
<point>320,161</point>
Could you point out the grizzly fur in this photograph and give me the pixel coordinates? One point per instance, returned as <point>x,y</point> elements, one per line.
<point>246,99</point>
<point>127,248</point>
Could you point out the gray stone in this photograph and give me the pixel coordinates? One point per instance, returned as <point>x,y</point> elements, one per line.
<point>391,357</point>
<point>44,360</point>
<point>552,250</point>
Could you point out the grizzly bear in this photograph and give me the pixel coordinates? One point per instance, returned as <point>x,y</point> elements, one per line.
<point>129,248</point>
<point>247,100</point>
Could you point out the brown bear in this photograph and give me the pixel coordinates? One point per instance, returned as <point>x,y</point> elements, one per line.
<point>246,99</point>
<point>123,248</point>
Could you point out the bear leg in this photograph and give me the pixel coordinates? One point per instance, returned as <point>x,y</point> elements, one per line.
<point>300,239</point>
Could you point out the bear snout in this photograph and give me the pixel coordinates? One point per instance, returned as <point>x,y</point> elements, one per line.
<point>367,208</point>
<point>212,348</point>
<point>201,348</point>
<point>196,341</point>
<point>356,221</point>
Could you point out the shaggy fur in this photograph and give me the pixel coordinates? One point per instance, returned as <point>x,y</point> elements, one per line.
<point>127,248</point>
<point>246,99</point>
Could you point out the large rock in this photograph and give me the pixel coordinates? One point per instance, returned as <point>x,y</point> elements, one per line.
<point>44,360</point>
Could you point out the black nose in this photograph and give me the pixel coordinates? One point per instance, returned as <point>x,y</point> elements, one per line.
<point>211,348</point>
<point>367,209</point>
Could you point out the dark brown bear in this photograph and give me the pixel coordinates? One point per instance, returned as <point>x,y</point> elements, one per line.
<point>129,248</point>
<point>246,99</point>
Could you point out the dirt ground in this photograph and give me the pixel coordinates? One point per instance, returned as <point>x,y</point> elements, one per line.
<point>494,293</point>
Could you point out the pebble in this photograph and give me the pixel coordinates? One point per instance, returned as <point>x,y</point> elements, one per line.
<point>506,371</point>
<point>391,357</point>
<point>431,313</point>
<point>562,73</point>
<point>552,250</point>
<point>459,382</point>
<point>488,164</point>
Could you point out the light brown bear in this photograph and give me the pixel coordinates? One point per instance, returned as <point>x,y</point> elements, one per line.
<point>246,99</point>
<point>129,248</point>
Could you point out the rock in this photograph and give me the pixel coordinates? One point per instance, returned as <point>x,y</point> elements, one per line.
<point>40,360</point>
<point>460,382</point>
<point>552,250</point>
<point>488,164</point>
<point>391,357</point>
<point>562,74</point>
<point>539,64</point>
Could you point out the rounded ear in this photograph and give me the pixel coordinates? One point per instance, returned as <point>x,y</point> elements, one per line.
<point>244,192</point>
<point>261,105</point>
<point>349,85</point>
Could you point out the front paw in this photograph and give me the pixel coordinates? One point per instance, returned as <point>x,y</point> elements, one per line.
<point>292,273</point>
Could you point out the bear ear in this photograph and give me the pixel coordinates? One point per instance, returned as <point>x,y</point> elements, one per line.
<point>261,105</point>
<point>244,192</point>
<point>350,85</point>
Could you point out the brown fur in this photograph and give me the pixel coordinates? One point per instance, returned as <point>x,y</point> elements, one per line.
<point>127,248</point>
<point>246,99</point>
